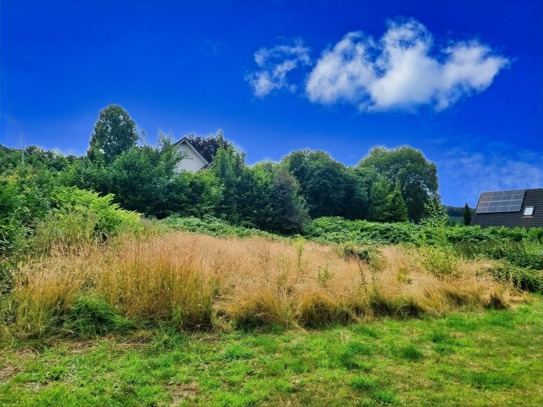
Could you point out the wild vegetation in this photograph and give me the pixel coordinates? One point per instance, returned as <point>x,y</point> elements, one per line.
<point>201,282</point>
<point>123,272</point>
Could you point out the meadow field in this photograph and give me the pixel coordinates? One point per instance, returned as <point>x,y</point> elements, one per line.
<point>201,313</point>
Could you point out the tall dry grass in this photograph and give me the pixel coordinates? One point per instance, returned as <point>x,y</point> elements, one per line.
<point>198,281</point>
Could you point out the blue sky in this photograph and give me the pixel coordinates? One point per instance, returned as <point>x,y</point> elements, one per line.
<point>459,80</point>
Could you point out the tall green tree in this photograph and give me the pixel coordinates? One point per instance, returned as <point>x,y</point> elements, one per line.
<point>229,168</point>
<point>114,133</point>
<point>395,207</point>
<point>144,179</point>
<point>379,193</point>
<point>328,187</point>
<point>282,208</point>
<point>408,166</point>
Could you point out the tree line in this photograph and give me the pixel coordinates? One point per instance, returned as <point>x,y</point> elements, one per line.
<point>385,186</point>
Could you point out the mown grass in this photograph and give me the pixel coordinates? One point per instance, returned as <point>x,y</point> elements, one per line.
<point>477,358</point>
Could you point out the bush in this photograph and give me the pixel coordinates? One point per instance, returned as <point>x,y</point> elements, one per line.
<point>515,252</point>
<point>80,217</point>
<point>211,226</point>
<point>440,261</point>
<point>528,280</point>
<point>12,230</point>
<point>339,230</point>
<point>361,232</point>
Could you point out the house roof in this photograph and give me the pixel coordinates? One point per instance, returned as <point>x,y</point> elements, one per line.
<point>514,208</point>
<point>185,140</point>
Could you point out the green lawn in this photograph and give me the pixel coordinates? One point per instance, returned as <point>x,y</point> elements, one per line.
<point>493,358</point>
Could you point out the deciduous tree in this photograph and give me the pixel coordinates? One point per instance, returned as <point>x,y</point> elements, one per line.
<point>208,146</point>
<point>408,166</point>
<point>114,133</point>
<point>328,187</point>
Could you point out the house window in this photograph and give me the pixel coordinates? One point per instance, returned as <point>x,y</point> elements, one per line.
<point>528,211</point>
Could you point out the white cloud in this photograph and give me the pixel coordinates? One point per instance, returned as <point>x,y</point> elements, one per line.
<point>400,71</point>
<point>343,73</point>
<point>470,173</point>
<point>275,63</point>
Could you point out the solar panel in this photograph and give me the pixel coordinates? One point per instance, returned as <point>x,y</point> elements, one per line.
<point>500,201</point>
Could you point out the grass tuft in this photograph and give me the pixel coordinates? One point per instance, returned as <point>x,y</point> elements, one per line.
<point>91,316</point>
<point>411,353</point>
<point>364,383</point>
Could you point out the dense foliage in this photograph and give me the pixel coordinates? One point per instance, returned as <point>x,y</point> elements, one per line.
<point>519,250</point>
<point>66,199</point>
<point>114,133</point>
<point>208,146</point>
<point>386,186</point>
<point>329,188</point>
<point>406,167</point>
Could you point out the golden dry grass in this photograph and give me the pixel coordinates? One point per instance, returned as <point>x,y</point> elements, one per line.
<point>201,281</point>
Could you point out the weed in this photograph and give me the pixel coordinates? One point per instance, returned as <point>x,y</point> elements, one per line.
<point>367,255</point>
<point>410,353</point>
<point>525,279</point>
<point>364,383</point>
<point>167,337</point>
<point>365,330</point>
<point>440,261</point>
<point>439,337</point>
<point>324,275</point>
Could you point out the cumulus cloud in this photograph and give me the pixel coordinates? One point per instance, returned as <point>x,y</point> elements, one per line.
<point>344,73</point>
<point>471,173</point>
<point>401,70</point>
<point>274,65</point>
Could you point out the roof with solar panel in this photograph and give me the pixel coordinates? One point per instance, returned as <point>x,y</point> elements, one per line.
<point>513,208</point>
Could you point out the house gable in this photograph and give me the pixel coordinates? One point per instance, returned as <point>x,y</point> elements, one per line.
<point>504,208</point>
<point>192,160</point>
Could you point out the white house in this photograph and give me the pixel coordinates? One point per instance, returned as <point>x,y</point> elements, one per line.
<point>192,160</point>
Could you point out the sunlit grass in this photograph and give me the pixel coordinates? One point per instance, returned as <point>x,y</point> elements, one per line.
<point>477,358</point>
<point>196,282</point>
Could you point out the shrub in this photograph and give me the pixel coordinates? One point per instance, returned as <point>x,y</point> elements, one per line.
<point>12,229</point>
<point>411,353</point>
<point>360,232</point>
<point>318,309</point>
<point>210,226</point>
<point>440,261</point>
<point>517,253</point>
<point>339,230</point>
<point>525,279</point>
<point>80,217</point>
